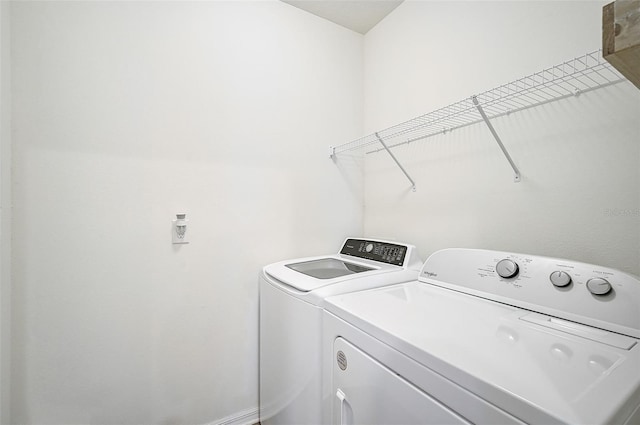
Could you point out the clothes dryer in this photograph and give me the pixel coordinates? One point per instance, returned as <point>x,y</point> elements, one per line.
<point>292,297</point>
<point>487,337</point>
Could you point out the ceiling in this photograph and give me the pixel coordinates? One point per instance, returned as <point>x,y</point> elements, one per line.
<point>357,15</point>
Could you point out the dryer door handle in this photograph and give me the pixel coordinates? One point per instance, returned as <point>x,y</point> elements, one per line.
<point>344,407</point>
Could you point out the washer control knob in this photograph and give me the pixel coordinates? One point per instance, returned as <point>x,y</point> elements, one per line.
<point>560,279</point>
<point>507,268</point>
<point>368,247</point>
<point>598,286</point>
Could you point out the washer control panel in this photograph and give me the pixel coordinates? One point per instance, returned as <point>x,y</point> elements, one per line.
<point>507,269</point>
<point>580,292</point>
<point>380,251</point>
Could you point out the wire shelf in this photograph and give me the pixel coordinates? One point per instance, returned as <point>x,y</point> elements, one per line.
<point>579,75</point>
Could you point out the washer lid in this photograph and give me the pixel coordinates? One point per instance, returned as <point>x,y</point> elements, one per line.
<point>327,268</point>
<point>311,273</point>
<point>534,372</point>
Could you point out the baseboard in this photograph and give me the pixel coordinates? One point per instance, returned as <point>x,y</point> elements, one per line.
<point>246,417</point>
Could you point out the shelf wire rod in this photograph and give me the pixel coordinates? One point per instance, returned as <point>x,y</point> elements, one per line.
<point>608,70</point>
<point>546,91</point>
<point>568,95</point>
<point>413,184</point>
<point>399,130</point>
<point>564,87</point>
<point>450,127</point>
<point>456,121</point>
<point>568,81</point>
<point>574,70</point>
<point>444,122</point>
<point>495,135</point>
<point>584,63</point>
<point>528,98</point>
<point>551,86</point>
<point>356,144</point>
<point>521,100</point>
<point>434,118</point>
<point>607,73</point>
<point>531,90</point>
<point>587,75</point>
<point>518,102</point>
<point>430,134</point>
<point>549,100</point>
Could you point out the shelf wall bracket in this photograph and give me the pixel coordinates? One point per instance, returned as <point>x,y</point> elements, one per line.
<point>495,135</point>
<point>413,184</point>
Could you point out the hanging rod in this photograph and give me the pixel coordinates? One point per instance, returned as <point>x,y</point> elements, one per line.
<point>571,78</point>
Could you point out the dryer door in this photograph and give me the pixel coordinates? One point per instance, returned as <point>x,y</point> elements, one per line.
<point>367,392</point>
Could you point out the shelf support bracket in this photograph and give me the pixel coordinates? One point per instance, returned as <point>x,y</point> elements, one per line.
<point>413,184</point>
<point>495,135</point>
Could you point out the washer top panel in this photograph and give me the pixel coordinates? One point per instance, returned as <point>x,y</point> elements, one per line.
<point>327,268</point>
<point>378,261</point>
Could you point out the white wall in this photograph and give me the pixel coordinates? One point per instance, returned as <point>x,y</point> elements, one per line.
<point>580,158</point>
<point>5,214</point>
<point>126,113</point>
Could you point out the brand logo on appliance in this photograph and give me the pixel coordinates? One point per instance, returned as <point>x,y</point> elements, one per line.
<point>431,274</point>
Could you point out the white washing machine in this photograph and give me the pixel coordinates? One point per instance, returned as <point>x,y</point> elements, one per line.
<point>486,337</point>
<point>292,296</point>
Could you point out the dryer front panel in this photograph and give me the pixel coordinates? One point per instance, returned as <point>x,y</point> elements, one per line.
<point>367,392</point>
